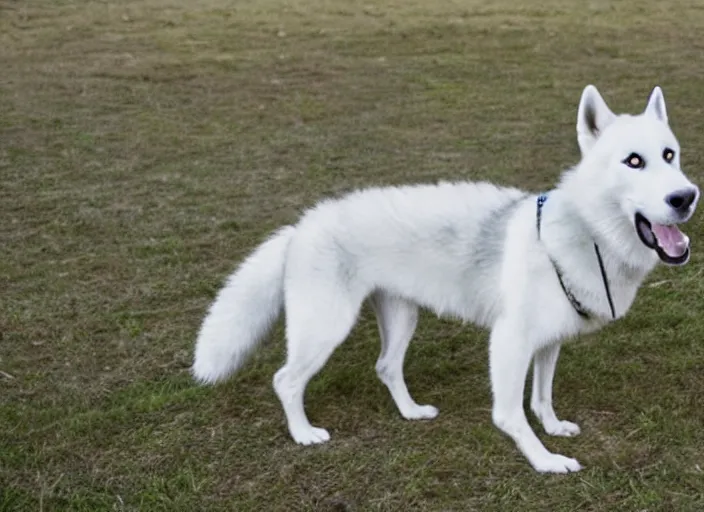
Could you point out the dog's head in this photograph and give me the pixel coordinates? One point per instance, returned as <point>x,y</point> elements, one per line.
<point>634,162</point>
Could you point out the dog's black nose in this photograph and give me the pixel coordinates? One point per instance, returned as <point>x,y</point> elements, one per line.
<point>682,199</point>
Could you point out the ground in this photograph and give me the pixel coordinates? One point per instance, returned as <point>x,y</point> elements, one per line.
<point>147,146</point>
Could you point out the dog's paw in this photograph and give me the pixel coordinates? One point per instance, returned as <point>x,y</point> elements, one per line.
<point>555,463</point>
<point>420,412</point>
<point>562,429</point>
<point>312,435</point>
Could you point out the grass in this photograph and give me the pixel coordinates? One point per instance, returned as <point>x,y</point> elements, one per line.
<point>147,146</point>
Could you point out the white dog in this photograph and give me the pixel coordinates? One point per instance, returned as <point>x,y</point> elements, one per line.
<point>535,269</point>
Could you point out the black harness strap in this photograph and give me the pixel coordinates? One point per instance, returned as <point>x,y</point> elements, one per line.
<point>578,307</point>
<point>606,281</point>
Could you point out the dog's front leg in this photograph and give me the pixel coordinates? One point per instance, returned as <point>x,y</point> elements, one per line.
<point>509,359</point>
<point>544,363</point>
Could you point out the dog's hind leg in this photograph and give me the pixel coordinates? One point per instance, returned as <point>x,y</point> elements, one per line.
<point>397,319</point>
<point>316,324</point>
<point>509,359</point>
<point>544,363</point>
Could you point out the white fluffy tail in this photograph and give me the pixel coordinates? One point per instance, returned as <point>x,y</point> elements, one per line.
<point>243,312</point>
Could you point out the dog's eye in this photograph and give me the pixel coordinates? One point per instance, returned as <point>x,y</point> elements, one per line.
<point>668,155</point>
<point>634,161</point>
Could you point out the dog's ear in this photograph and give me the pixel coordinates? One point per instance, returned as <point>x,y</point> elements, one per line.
<point>592,117</point>
<point>656,105</point>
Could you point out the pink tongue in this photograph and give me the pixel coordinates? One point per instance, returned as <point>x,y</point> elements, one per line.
<point>670,239</point>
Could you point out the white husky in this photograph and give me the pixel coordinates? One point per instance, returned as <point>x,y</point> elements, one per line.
<point>535,269</point>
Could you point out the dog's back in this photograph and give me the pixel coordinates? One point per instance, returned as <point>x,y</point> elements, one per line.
<point>437,245</point>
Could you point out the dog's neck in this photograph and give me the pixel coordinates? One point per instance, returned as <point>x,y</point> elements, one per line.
<point>569,231</point>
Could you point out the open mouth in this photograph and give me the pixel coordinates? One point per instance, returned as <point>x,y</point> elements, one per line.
<point>668,241</point>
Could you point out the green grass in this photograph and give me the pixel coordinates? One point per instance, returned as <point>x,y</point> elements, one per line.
<point>147,146</point>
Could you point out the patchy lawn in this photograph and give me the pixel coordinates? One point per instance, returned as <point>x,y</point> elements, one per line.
<point>147,146</point>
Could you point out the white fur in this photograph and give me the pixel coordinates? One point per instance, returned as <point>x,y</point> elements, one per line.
<point>468,250</point>
<point>243,311</point>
